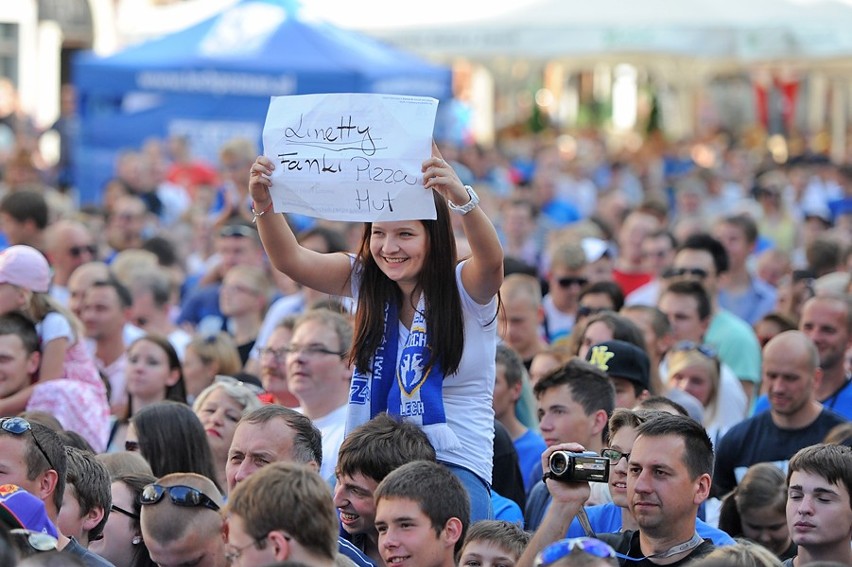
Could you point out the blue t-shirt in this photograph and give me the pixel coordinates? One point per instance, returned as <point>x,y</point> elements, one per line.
<point>505,509</point>
<point>606,519</point>
<point>529,447</point>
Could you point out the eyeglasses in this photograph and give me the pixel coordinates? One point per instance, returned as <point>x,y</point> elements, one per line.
<point>585,311</point>
<point>77,251</point>
<point>310,351</point>
<point>614,455</point>
<point>276,353</point>
<point>124,512</point>
<point>698,273</point>
<point>232,552</point>
<point>706,350</point>
<point>131,446</point>
<point>179,495</point>
<point>569,281</point>
<point>36,540</point>
<point>19,426</point>
<point>557,550</point>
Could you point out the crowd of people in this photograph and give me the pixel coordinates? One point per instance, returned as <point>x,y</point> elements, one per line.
<point>191,378</point>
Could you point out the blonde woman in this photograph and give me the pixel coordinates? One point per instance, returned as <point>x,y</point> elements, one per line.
<point>695,369</point>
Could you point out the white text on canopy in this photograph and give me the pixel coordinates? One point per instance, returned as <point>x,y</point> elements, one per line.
<point>350,157</point>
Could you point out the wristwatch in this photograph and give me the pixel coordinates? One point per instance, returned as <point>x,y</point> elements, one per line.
<point>467,207</point>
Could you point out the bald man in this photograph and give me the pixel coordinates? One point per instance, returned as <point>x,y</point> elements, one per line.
<point>184,534</point>
<point>68,245</point>
<point>795,419</point>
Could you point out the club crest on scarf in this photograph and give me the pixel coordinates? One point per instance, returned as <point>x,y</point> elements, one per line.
<point>415,358</point>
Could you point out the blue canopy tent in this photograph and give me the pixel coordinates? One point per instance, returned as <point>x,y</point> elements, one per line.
<point>213,81</point>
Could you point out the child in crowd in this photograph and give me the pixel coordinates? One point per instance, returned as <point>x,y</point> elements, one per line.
<point>24,287</point>
<point>490,543</point>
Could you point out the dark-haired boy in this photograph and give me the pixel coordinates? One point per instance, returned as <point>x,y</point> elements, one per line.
<point>819,508</point>
<point>574,405</point>
<point>87,499</point>
<point>422,515</point>
<point>367,455</point>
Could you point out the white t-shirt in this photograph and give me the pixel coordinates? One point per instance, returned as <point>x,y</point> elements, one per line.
<point>332,427</point>
<point>468,393</point>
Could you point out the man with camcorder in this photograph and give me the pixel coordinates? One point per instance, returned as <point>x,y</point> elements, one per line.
<point>668,478</point>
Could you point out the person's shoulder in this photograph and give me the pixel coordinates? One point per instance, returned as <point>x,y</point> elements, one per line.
<point>348,549</point>
<point>743,428</point>
<point>830,417</point>
<point>89,558</point>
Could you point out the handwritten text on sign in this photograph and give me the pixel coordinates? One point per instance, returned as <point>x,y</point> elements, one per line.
<point>350,157</point>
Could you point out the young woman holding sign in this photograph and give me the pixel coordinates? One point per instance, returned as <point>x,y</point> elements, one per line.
<point>425,325</point>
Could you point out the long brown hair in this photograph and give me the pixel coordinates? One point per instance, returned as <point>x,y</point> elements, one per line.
<point>437,280</point>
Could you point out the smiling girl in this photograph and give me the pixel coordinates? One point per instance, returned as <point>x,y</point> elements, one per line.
<point>425,324</point>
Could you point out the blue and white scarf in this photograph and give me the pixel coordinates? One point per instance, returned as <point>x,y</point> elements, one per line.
<point>405,389</point>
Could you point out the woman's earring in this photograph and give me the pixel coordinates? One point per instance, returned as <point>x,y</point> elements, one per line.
<point>136,540</point>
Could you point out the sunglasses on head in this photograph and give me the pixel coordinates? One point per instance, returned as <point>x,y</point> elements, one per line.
<point>19,426</point>
<point>699,273</point>
<point>179,495</point>
<point>562,548</point>
<point>77,251</point>
<point>706,350</point>
<point>37,541</point>
<point>569,281</point>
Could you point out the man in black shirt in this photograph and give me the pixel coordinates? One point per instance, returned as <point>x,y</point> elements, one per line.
<point>668,478</point>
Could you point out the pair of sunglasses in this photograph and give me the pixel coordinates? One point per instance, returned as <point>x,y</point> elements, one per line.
<point>179,495</point>
<point>37,541</point>
<point>19,426</point>
<point>706,350</point>
<point>697,273</point>
<point>562,548</point>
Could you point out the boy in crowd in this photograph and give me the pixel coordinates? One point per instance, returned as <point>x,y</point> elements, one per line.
<point>819,510</point>
<point>422,514</point>
<point>493,543</point>
<point>87,499</point>
<point>367,455</point>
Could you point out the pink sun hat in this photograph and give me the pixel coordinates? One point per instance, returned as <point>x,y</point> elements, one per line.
<point>25,267</point>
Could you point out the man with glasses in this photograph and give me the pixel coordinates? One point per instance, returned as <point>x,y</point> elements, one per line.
<point>703,258</point>
<point>273,364</point>
<point>566,276</point>
<point>68,245</point>
<point>181,521</point>
<point>318,374</point>
<point>32,456</point>
<point>282,513</point>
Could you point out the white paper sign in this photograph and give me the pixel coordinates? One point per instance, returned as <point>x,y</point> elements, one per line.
<point>350,157</point>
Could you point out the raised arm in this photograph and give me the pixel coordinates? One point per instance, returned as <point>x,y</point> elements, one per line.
<point>482,275</point>
<point>567,499</point>
<point>328,273</point>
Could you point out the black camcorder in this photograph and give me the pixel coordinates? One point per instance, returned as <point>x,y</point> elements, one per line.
<point>567,466</point>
